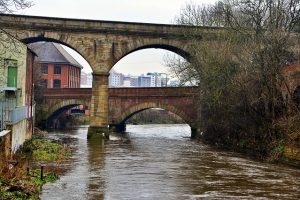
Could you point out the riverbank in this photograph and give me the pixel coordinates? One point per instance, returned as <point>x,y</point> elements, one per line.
<point>291,156</point>
<point>23,176</point>
<point>286,154</point>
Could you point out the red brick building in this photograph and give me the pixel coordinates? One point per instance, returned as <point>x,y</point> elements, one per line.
<point>58,69</point>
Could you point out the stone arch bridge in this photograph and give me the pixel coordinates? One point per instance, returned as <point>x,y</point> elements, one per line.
<point>125,102</point>
<point>103,44</point>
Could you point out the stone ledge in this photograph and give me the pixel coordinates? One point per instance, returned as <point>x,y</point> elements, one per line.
<point>292,153</point>
<point>4,133</point>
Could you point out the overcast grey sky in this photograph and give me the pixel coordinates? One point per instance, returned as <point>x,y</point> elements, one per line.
<point>148,11</point>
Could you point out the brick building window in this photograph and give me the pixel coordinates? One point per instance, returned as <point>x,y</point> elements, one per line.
<point>44,83</point>
<point>56,83</point>
<point>44,69</point>
<point>57,69</point>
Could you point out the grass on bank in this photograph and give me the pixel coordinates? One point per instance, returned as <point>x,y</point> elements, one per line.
<point>16,182</point>
<point>39,149</point>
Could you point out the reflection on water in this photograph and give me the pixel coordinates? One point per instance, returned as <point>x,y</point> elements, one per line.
<point>161,162</point>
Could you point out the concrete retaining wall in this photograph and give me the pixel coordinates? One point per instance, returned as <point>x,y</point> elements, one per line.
<point>5,143</point>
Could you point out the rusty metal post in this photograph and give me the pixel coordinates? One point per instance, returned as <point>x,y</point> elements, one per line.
<point>42,172</point>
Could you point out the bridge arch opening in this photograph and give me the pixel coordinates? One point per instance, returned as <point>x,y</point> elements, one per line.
<point>66,112</point>
<point>153,116</point>
<point>70,48</point>
<point>179,51</point>
<point>135,67</point>
<point>56,67</point>
<point>152,113</point>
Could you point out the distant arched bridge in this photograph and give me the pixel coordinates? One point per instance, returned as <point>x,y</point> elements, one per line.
<point>125,102</point>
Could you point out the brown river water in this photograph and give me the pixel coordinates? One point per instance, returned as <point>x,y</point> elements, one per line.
<point>162,162</point>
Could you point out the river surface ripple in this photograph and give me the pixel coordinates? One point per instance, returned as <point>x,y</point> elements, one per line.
<point>162,162</point>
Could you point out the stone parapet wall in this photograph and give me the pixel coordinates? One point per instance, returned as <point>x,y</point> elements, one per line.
<point>5,144</point>
<point>292,153</point>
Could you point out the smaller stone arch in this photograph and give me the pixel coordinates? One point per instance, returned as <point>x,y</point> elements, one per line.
<point>63,106</point>
<point>144,106</point>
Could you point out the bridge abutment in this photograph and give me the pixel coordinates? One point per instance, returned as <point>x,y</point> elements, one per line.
<point>99,107</point>
<point>196,133</point>
<point>117,127</point>
<point>96,132</point>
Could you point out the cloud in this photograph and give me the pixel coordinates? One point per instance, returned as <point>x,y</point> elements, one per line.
<point>151,11</point>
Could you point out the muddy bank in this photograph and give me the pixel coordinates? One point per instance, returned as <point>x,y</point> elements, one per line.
<point>31,167</point>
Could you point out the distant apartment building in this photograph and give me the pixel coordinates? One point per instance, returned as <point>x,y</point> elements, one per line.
<point>90,79</point>
<point>115,79</point>
<point>152,77</point>
<point>164,80</point>
<point>144,81</point>
<point>83,78</point>
<point>157,80</point>
<point>57,67</point>
<point>86,79</point>
<point>127,81</point>
<point>130,81</point>
<point>149,80</point>
<point>174,83</point>
<point>134,82</point>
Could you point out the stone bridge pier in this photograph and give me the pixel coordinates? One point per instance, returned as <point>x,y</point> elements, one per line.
<point>99,106</point>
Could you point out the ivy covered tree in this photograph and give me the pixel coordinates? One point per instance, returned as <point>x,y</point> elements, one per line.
<point>238,67</point>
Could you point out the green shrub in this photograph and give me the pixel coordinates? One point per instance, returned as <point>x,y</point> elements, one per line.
<point>44,150</point>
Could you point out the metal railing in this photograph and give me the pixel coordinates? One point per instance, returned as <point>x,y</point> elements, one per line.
<point>17,115</point>
<point>7,113</point>
<point>8,103</point>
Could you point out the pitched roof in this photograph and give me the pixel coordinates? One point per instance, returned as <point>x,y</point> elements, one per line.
<point>48,52</point>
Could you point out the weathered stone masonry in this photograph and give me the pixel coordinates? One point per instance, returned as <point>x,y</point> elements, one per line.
<point>102,44</point>
<point>125,102</point>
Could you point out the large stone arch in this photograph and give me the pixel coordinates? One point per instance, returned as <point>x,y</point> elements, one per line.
<point>83,46</point>
<point>126,48</point>
<point>63,106</point>
<point>72,45</point>
<point>144,106</point>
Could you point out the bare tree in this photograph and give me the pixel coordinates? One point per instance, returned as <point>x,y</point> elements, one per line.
<point>10,6</point>
<point>239,65</point>
<point>8,43</point>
